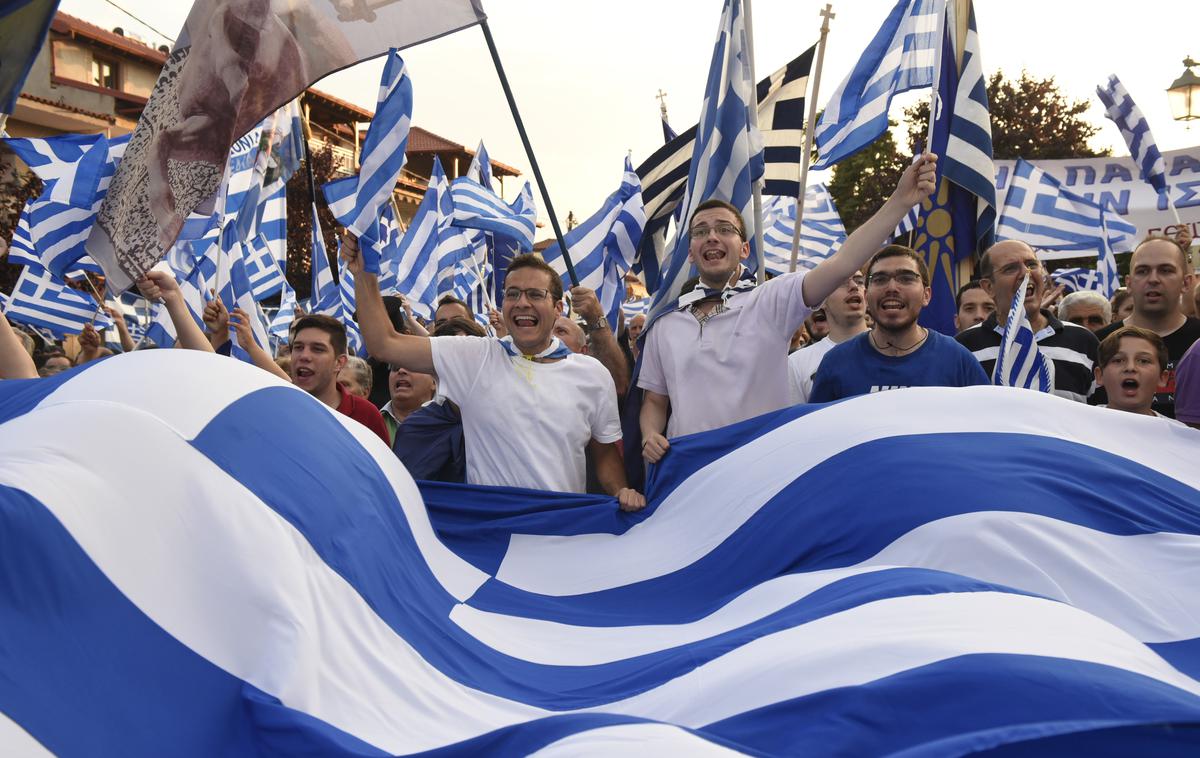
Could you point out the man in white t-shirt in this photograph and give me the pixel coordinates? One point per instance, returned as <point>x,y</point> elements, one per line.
<point>529,405</point>
<point>846,312</point>
<point>721,356</point>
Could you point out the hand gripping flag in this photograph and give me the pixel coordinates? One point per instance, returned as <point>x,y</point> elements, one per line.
<point>1019,362</point>
<point>263,54</point>
<point>227,586</point>
<point>357,201</point>
<point>603,247</point>
<point>1120,108</point>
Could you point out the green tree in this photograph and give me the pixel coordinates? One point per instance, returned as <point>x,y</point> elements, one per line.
<point>862,182</point>
<point>1031,119</point>
<point>17,186</point>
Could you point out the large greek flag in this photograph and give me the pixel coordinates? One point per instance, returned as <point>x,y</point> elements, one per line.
<point>212,581</point>
<point>821,230</point>
<point>1019,362</point>
<point>1058,223</point>
<point>70,165</point>
<point>728,155</point>
<point>1120,108</point>
<point>901,57</point>
<point>357,201</point>
<point>478,207</point>
<point>603,247</point>
<point>43,300</point>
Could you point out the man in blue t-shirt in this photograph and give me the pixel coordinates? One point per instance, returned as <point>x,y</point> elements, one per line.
<point>897,352</point>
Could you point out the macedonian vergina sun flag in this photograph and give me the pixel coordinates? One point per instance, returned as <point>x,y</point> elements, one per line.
<point>957,222</point>
<point>235,62</point>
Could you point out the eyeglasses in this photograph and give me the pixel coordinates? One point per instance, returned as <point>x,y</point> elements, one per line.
<point>857,281</point>
<point>1013,268</point>
<point>724,230</point>
<point>905,278</point>
<point>532,294</point>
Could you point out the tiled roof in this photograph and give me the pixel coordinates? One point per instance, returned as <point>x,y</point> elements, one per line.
<point>424,141</point>
<point>67,24</point>
<point>82,111</point>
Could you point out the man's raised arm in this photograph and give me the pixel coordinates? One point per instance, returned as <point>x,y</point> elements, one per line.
<point>384,343</point>
<point>917,183</point>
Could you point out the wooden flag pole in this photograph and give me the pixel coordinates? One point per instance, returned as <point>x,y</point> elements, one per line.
<point>537,172</point>
<point>826,15</point>
<point>756,189</point>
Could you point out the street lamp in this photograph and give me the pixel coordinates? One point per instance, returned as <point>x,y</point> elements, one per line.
<point>1184,94</point>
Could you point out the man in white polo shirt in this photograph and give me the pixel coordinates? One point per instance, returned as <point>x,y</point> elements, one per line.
<point>721,356</point>
<point>529,405</point>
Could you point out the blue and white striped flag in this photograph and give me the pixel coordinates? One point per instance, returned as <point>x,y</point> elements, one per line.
<point>282,321</point>
<point>347,309</point>
<point>70,165</point>
<point>727,158</point>
<point>285,587</point>
<point>41,299</point>
<point>481,167</point>
<point>324,295</point>
<point>900,58</point>
<point>821,235</point>
<point>262,270</point>
<point>418,263</point>
<point>1058,223</point>
<point>384,240</point>
<point>1078,279</point>
<point>638,307</point>
<point>1120,108</point>
<point>236,289</point>
<point>1019,362</point>
<point>477,207</point>
<point>603,247</point>
<point>272,224</point>
<point>357,201</point>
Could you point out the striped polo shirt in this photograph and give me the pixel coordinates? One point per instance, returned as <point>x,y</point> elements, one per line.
<point>1071,349</point>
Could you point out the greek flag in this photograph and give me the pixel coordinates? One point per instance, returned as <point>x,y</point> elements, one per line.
<point>425,251</point>
<point>357,201</point>
<point>282,321</point>
<point>70,165</point>
<point>272,224</point>
<point>1123,112</point>
<point>1019,362</point>
<point>481,167</point>
<point>347,309</point>
<point>907,224</point>
<point>477,207</point>
<point>43,300</point>
<point>324,293</point>
<point>262,270</point>
<point>24,25</point>
<point>901,57</point>
<point>224,610</point>
<point>57,231</point>
<point>603,247</point>
<point>1058,223</point>
<point>639,307</point>
<point>664,175</point>
<point>1078,279</point>
<point>728,155</point>
<point>236,289</point>
<point>384,240</point>
<point>821,233</point>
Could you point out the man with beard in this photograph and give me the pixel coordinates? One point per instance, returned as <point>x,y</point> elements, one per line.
<point>846,312</point>
<point>896,352</point>
<point>1070,348</point>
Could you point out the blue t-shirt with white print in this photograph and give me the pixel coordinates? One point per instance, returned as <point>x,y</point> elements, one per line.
<point>856,368</point>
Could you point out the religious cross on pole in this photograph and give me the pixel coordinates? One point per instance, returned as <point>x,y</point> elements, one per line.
<point>827,15</point>
<point>662,103</point>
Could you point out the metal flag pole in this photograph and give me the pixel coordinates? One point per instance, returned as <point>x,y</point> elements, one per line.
<point>537,172</point>
<point>826,15</point>
<point>756,189</point>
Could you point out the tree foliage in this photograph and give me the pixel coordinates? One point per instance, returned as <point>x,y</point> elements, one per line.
<point>299,219</point>
<point>17,187</point>
<point>1031,119</point>
<point>862,182</point>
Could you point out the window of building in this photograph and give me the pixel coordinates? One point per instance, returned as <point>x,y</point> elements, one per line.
<point>104,73</point>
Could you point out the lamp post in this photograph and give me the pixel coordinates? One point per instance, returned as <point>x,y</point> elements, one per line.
<point>1184,94</point>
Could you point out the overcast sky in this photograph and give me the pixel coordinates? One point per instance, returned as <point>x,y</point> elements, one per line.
<point>585,73</point>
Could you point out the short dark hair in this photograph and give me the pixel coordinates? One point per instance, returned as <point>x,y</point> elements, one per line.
<point>331,326</point>
<point>900,251</point>
<point>711,203</point>
<point>971,285</point>
<point>531,260</point>
<point>459,327</point>
<point>1112,343</point>
<point>1183,254</point>
<point>1118,299</point>
<point>451,300</point>
<point>985,260</point>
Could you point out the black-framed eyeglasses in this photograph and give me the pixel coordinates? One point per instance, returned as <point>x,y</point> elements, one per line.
<point>532,294</point>
<point>905,278</point>
<point>724,230</point>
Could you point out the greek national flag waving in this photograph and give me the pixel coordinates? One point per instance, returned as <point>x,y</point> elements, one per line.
<point>901,57</point>
<point>1120,108</point>
<point>43,300</point>
<point>1079,279</point>
<point>226,587</point>
<point>357,201</point>
<point>728,155</point>
<point>1019,362</point>
<point>603,247</point>
<point>821,232</point>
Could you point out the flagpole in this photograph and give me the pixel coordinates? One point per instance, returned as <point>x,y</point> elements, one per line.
<point>826,15</point>
<point>537,172</point>
<point>756,188</point>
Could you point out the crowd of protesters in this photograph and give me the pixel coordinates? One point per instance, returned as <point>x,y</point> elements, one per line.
<point>538,403</point>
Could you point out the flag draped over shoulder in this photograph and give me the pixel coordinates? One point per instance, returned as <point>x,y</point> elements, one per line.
<point>226,579</point>
<point>727,158</point>
<point>263,54</point>
<point>603,246</point>
<point>957,222</point>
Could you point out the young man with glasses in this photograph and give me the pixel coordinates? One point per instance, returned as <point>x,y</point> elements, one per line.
<point>721,356</point>
<point>897,351</point>
<point>1071,348</point>
<point>529,405</point>
<point>846,314</point>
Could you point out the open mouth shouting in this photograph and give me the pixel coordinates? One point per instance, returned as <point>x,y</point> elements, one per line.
<point>1130,387</point>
